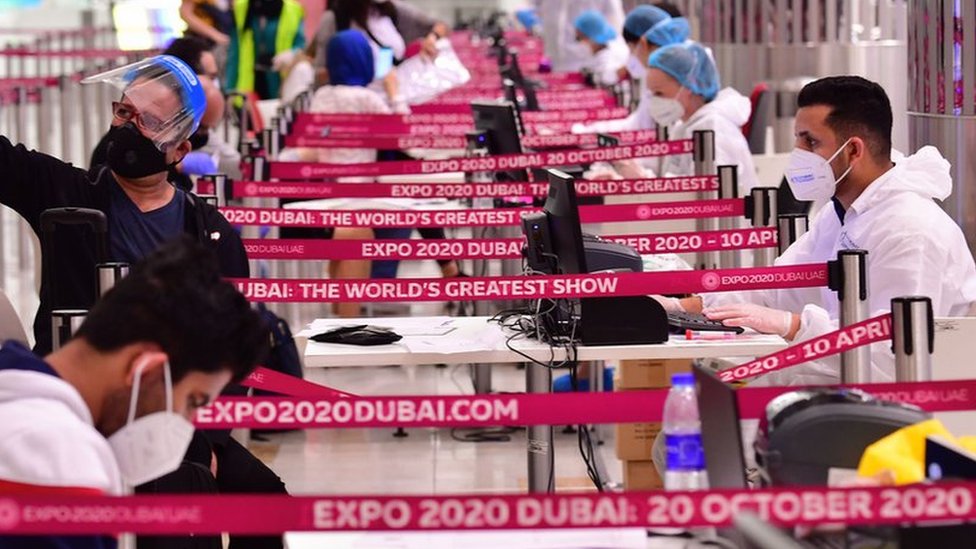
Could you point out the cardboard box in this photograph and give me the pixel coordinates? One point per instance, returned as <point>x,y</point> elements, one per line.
<point>641,475</point>
<point>635,440</point>
<point>649,374</point>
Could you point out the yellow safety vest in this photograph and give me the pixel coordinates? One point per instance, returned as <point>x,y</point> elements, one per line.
<point>288,22</point>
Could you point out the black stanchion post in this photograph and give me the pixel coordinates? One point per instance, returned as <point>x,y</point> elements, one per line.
<point>790,228</point>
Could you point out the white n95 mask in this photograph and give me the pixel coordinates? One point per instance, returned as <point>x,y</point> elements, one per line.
<point>153,445</point>
<point>810,176</point>
<point>665,111</point>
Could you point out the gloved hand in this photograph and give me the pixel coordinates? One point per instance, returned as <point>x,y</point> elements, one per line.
<point>749,315</point>
<point>198,163</point>
<point>283,60</point>
<point>629,169</point>
<point>670,304</point>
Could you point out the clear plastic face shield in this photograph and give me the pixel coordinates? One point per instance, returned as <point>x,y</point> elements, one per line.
<point>160,95</point>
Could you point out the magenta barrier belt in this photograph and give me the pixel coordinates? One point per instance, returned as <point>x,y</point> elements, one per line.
<point>449,118</point>
<point>261,514</point>
<point>501,248</point>
<point>529,287</point>
<point>87,54</point>
<point>459,106</point>
<point>367,141</point>
<point>330,411</point>
<point>303,170</point>
<point>277,382</point>
<point>599,187</point>
<point>657,211</point>
<point>865,332</point>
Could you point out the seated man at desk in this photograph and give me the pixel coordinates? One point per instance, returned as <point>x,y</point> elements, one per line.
<point>843,153</point>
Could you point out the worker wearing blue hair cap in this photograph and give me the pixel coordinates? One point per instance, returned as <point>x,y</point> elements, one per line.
<point>686,92</point>
<point>349,59</point>
<point>607,53</point>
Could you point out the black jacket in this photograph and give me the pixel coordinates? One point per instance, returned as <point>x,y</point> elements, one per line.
<point>31,182</point>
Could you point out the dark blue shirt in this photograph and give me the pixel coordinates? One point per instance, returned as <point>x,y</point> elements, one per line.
<point>134,234</point>
<point>14,356</point>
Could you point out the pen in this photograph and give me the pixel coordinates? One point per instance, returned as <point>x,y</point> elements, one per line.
<point>707,335</point>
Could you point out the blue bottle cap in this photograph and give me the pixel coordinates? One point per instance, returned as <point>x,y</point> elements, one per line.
<point>683,379</point>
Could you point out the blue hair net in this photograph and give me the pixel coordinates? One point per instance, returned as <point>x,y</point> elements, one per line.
<point>643,18</point>
<point>527,17</point>
<point>690,65</point>
<point>594,26</point>
<point>349,59</point>
<point>669,31</point>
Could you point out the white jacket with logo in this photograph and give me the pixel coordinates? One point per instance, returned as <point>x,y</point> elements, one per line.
<point>914,248</point>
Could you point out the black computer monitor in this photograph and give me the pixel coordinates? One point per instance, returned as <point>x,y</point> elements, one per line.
<point>718,409</point>
<point>565,231</point>
<point>500,120</point>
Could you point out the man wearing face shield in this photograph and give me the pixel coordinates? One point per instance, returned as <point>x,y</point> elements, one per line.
<point>113,407</point>
<point>843,154</point>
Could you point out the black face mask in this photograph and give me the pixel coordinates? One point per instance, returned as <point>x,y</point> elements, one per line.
<point>199,139</point>
<point>131,154</point>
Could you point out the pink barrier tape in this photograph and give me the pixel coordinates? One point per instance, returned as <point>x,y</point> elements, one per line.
<point>657,211</point>
<point>283,189</point>
<point>459,105</point>
<point>277,382</point>
<point>67,54</point>
<point>303,170</point>
<point>454,142</point>
<point>253,514</point>
<point>865,332</point>
<point>530,287</point>
<point>325,411</point>
<point>502,248</point>
<point>450,124</point>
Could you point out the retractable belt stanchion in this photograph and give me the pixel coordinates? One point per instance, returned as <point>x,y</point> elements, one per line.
<point>64,324</point>
<point>704,158</point>
<point>109,274</point>
<point>538,379</point>
<point>791,228</point>
<point>848,277</point>
<point>761,209</point>
<point>912,338</point>
<point>728,188</point>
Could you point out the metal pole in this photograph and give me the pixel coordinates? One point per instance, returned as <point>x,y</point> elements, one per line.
<point>220,188</point>
<point>541,459</point>
<point>848,277</point>
<point>912,338</point>
<point>704,157</point>
<point>63,100</point>
<point>761,209</point>
<point>270,138</point>
<point>64,324</point>
<point>109,274</point>
<point>728,188</point>
<point>477,146</point>
<point>791,228</point>
<point>259,163</point>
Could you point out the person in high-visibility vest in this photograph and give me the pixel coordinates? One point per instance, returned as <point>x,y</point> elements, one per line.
<point>267,38</point>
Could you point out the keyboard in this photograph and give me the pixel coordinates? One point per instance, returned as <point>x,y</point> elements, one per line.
<point>679,322</point>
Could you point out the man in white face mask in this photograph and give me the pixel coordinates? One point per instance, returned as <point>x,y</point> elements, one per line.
<point>113,407</point>
<point>843,154</point>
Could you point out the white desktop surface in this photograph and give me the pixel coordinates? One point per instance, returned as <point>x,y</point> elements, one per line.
<point>605,538</point>
<point>475,340</point>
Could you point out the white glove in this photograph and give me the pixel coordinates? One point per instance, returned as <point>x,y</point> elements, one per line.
<point>282,60</point>
<point>749,315</point>
<point>670,304</point>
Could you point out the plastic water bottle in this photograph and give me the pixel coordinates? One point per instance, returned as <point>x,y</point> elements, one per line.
<point>685,466</point>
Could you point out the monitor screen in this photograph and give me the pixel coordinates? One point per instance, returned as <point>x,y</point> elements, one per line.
<point>718,408</point>
<point>565,234</point>
<point>504,128</point>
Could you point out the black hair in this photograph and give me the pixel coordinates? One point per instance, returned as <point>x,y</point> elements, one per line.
<point>858,107</point>
<point>189,49</point>
<point>670,8</point>
<point>630,37</point>
<point>176,298</point>
<point>348,12</point>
